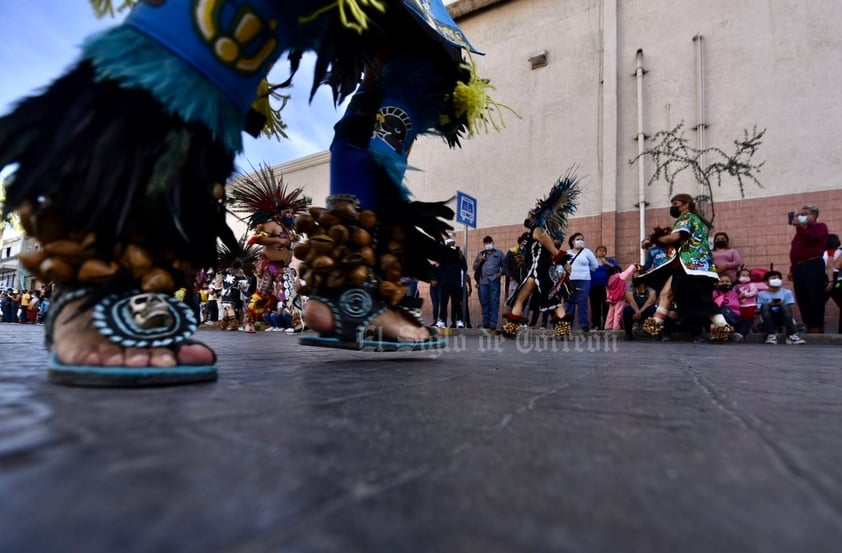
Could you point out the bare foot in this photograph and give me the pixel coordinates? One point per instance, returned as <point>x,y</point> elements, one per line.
<point>394,326</point>
<point>75,342</point>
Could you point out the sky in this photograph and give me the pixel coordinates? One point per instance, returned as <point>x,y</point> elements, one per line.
<point>41,41</point>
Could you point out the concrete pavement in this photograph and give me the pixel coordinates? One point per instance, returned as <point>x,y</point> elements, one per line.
<point>491,445</point>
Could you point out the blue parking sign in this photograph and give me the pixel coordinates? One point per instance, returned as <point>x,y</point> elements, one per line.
<point>466,209</point>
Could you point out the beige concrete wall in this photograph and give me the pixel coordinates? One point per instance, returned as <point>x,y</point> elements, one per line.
<point>771,63</point>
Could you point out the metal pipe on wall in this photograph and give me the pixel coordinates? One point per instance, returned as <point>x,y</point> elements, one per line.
<point>701,125</point>
<point>641,146</point>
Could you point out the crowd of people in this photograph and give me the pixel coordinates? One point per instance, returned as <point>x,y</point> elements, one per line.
<point>728,299</point>
<point>25,306</point>
<point>119,175</point>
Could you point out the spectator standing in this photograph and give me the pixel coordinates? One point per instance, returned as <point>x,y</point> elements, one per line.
<point>3,300</point>
<point>599,281</point>
<point>435,291</point>
<point>488,265</point>
<point>467,290</point>
<point>451,288</point>
<point>775,304</point>
<point>833,261</point>
<point>13,305</point>
<point>23,315</point>
<point>583,263</point>
<point>836,291</point>
<point>726,258</point>
<point>515,267</point>
<point>640,304</point>
<point>214,295</point>
<point>34,304</point>
<point>808,271</point>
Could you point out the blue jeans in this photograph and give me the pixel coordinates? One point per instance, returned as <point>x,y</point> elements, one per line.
<point>579,302</point>
<point>278,320</point>
<point>489,298</point>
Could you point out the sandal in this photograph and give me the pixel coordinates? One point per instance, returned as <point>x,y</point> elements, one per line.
<point>513,324</point>
<point>653,326</point>
<point>349,266</point>
<point>562,326</point>
<point>137,320</point>
<point>722,333</point>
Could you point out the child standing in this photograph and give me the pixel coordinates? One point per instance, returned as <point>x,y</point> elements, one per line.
<point>615,294</point>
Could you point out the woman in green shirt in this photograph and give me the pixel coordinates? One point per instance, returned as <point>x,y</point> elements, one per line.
<point>690,275</point>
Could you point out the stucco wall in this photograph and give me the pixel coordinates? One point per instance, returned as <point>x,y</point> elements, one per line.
<point>771,63</point>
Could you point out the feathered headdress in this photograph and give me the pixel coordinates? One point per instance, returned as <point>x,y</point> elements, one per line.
<point>265,197</point>
<point>551,213</point>
<point>246,254</point>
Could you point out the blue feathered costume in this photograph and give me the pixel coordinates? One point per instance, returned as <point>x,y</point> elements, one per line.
<point>121,162</point>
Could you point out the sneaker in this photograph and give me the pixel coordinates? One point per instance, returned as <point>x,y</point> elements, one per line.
<point>270,329</point>
<point>771,339</point>
<point>737,337</point>
<point>440,324</point>
<point>460,324</point>
<point>794,339</point>
<point>289,330</point>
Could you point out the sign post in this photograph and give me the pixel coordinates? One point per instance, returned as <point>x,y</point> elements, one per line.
<point>466,213</point>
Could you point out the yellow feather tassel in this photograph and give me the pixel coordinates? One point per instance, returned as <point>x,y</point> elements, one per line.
<point>471,100</point>
<point>105,7</point>
<point>274,126</point>
<point>351,13</point>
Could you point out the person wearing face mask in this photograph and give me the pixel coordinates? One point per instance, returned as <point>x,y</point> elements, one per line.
<point>726,258</point>
<point>728,300</point>
<point>272,211</point>
<point>488,266</point>
<point>450,288</point>
<point>747,293</point>
<point>690,275</point>
<point>775,305</point>
<point>808,271</point>
<point>583,263</point>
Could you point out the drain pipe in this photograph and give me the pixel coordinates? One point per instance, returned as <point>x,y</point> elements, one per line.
<point>641,146</point>
<point>701,126</point>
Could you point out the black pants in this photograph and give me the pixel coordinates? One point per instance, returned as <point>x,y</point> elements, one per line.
<point>809,280</point>
<point>453,294</point>
<point>599,309</point>
<point>628,317</point>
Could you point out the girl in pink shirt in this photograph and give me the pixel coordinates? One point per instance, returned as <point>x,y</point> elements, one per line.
<point>747,292</point>
<point>615,294</point>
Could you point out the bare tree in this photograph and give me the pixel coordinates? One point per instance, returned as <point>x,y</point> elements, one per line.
<point>672,155</point>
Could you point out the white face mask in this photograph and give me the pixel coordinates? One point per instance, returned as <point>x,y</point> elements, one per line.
<point>745,279</point>
<point>489,247</point>
<point>579,243</point>
<point>802,219</point>
<point>775,282</point>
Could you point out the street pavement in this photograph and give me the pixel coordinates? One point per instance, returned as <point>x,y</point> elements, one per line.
<point>491,445</point>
